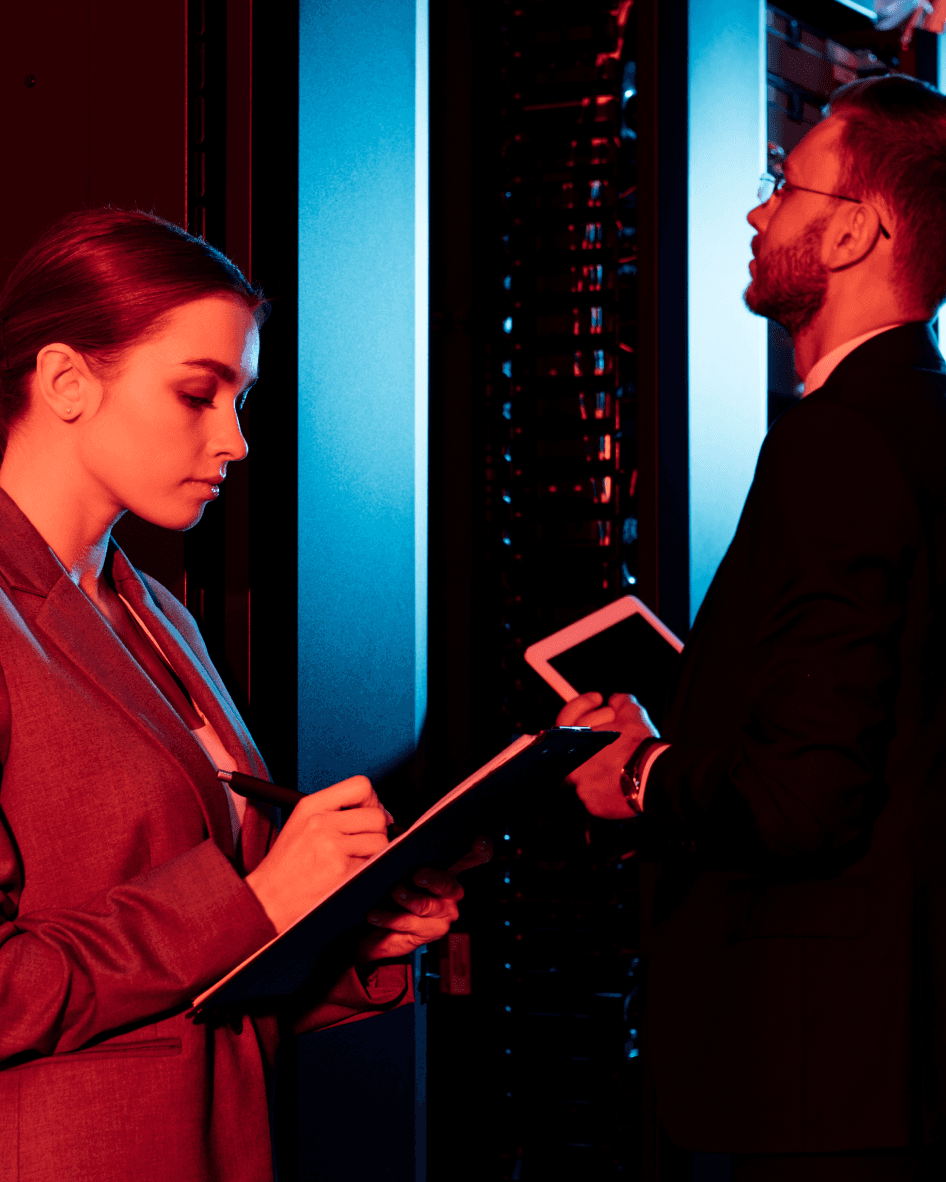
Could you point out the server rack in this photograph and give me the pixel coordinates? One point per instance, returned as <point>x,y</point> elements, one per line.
<point>549,996</point>
<point>561,475</point>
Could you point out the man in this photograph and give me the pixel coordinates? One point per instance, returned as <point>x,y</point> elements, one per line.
<point>798,976</point>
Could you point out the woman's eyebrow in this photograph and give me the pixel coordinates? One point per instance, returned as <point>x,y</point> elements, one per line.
<point>225,372</point>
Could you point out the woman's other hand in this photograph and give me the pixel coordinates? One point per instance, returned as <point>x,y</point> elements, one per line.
<point>426,915</point>
<point>327,836</point>
<point>598,781</point>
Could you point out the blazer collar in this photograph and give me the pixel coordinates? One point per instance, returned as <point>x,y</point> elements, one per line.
<point>26,562</point>
<point>912,346</point>
<point>85,638</point>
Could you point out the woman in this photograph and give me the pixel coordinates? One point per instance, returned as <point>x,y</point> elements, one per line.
<point>130,879</point>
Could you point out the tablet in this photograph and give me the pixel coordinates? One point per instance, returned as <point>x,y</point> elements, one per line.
<point>622,648</point>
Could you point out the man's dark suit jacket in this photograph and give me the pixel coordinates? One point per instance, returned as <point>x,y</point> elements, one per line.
<point>798,979</point>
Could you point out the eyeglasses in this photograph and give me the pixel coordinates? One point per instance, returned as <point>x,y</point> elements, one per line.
<point>771,186</point>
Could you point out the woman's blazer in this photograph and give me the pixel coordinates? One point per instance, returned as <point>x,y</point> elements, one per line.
<point>122,897</point>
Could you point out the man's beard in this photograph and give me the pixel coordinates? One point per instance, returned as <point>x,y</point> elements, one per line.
<point>791,282</point>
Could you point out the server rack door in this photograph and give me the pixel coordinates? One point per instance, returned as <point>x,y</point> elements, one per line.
<point>534,1063</point>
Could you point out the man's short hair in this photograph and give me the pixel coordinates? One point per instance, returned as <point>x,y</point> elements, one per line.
<point>894,147</point>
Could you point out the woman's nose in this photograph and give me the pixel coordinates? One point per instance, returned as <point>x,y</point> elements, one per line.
<point>231,445</point>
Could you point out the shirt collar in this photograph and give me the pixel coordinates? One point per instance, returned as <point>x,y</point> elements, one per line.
<point>822,369</point>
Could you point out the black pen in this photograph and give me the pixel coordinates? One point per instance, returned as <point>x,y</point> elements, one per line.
<point>267,793</point>
<point>261,790</point>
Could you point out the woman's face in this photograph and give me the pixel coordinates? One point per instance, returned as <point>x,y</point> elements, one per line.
<point>159,440</point>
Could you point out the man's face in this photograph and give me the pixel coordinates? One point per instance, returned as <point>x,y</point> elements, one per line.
<point>789,279</point>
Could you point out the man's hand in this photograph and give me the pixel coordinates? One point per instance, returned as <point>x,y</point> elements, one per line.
<point>427,914</point>
<point>598,782</point>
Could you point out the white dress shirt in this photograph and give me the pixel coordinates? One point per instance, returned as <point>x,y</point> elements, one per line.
<point>825,366</point>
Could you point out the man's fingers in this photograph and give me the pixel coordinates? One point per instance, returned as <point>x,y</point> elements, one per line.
<point>573,710</point>
<point>436,882</point>
<point>603,717</point>
<point>427,928</point>
<point>479,855</point>
<point>428,905</point>
<point>629,712</point>
<point>440,883</point>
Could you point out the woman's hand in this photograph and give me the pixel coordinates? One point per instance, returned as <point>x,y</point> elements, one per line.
<point>327,836</point>
<point>427,914</point>
<point>598,782</point>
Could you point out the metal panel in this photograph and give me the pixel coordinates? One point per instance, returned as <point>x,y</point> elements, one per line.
<point>361,463</point>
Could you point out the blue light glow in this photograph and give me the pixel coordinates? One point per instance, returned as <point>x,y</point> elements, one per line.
<point>362,385</point>
<point>727,344</point>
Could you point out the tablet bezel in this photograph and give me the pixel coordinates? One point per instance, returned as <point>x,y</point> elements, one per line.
<point>538,655</point>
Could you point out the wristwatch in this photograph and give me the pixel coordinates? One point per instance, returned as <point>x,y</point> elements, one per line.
<point>632,772</point>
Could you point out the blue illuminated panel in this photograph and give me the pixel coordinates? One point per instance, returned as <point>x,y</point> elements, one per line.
<point>727,345</point>
<point>362,385</point>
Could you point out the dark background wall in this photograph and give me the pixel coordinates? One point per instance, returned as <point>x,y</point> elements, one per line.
<point>164,108</point>
<point>190,108</point>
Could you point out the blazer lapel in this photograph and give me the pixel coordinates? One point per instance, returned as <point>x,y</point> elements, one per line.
<point>74,625</point>
<point>205,687</point>
<point>201,679</point>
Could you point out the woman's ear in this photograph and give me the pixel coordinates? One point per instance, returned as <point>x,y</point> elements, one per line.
<point>64,382</point>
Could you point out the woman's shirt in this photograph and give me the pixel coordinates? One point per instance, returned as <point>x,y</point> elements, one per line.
<point>159,668</point>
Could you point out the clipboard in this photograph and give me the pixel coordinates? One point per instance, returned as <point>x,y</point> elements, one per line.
<point>442,835</point>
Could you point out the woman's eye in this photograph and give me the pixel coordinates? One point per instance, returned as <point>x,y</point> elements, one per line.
<point>198,400</point>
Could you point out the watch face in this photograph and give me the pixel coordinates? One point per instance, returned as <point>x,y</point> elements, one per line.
<point>630,786</point>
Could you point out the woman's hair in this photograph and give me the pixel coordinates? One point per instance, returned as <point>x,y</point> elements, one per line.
<point>894,146</point>
<point>100,280</point>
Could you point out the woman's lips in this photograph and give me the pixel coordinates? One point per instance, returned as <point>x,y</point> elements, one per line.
<point>209,488</point>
